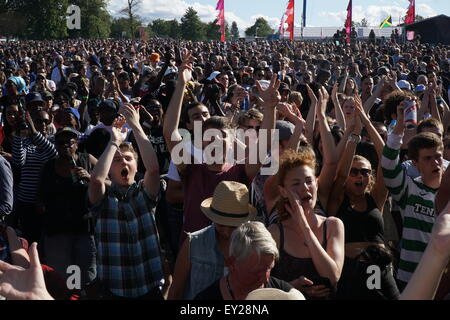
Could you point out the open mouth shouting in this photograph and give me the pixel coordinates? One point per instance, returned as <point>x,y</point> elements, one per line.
<point>124,173</point>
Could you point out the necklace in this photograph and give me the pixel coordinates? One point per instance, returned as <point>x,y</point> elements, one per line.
<point>229,287</point>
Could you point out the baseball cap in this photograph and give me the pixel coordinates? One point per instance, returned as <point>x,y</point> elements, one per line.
<point>213,75</point>
<point>286,129</point>
<point>107,103</point>
<point>33,97</point>
<point>73,111</point>
<point>403,84</point>
<point>67,130</point>
<point>420,88</point>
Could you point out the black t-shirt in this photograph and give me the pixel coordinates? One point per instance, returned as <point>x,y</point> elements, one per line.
<point>213,291</point>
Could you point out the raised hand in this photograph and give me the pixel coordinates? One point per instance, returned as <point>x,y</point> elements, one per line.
<point>335,91</point>
<point>118,132</point>
<point>270,96</point>
<point>17,283</point>
<point>186,69</point>
<point>312,96</point>
<point>324,97</point>
<point>359,109</point>
<point>131,115</point>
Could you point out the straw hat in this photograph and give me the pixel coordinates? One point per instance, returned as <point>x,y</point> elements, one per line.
<point>275,294</point>
<point>229,205</point>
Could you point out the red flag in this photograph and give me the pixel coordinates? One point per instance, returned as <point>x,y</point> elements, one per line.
<point>290,18</point>
<point>221,19</point>
<point>411,14</point>
<point>348,22</point>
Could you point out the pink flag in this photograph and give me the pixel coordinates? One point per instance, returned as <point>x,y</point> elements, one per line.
<point>348,22</point>
<point>411,14</point>
<point>221,18</point>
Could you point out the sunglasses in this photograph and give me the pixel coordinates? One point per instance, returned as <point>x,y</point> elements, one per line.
<point>42,121</point>
<point>354,172</point>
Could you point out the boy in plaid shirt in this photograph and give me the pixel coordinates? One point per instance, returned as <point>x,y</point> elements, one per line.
<point>129,260</point>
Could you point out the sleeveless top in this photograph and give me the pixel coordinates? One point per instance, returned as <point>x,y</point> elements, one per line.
<point>289,268</point>
<point>207,261</point>
<point>366,226</point>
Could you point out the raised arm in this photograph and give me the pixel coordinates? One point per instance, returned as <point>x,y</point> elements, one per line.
<point>344,81</point>
<point>444,191</point>
<point>393,172</point>
<point>149,158</point>
<point>425,280</point>
<point>330,158</point>
<point>379,191</point>
<point>337,108</point>
<point>311,116</point>
<point>271,98</point>
<point>370,102</point>
<point>173,113</point>
<point>345,163</point>
<point>433,105</point>
<point>97,187</point>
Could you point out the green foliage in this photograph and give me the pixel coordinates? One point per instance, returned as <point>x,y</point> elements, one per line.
<point>95,19</point>
<point>191,26</point>
<point>118,26</point>
<point>234,31</point>
<point>261,28</point>
<point>212,31</point>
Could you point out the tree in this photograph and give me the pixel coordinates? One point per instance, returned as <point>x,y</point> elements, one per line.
<point>212,30</point>
<point>234,31</point>
<point>95,19</point>
<point>261,29</point>
<point>363,24</point>
<point>130,11</point>
<point>118,26</point>
<point>45,19</point>
<point>160,28</point>
<point>174,29</point>
<point>191,26</point>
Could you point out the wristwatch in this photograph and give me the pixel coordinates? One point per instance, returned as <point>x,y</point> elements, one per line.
<point>354,138</point>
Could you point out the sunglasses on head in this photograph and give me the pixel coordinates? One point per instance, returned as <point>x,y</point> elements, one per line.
<point>354,172</point>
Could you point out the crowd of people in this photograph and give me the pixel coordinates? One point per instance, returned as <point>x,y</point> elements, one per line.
<point>103,170</point>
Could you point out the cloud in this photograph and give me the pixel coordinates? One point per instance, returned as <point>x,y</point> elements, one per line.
<point>175,9</point>
<point>376,14</point>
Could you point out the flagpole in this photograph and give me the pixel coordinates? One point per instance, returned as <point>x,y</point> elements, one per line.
<point>293,20</point>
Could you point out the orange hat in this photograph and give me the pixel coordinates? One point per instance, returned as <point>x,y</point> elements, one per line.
<point>154,57</point>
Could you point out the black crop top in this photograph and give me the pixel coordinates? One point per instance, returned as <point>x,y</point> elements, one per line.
<point>366,226</point>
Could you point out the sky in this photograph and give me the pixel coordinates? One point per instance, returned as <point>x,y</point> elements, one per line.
<point>320,13</point>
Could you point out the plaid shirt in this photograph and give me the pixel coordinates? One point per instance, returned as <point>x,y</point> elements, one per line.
<point>128,252</point>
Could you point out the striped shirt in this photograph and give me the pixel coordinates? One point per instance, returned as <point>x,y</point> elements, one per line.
<point>29,156</point>
<point>416,202</point>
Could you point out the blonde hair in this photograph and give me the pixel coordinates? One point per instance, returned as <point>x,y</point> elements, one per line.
<point>128,147</point>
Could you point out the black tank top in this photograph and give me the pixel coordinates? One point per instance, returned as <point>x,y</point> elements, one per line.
<point>366,226</point>
<point>289,268</point>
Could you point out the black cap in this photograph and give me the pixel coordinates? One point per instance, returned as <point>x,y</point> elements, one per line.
<point>33,97</point>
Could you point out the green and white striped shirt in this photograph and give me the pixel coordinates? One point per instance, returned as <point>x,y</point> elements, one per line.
<point>416,202</point>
